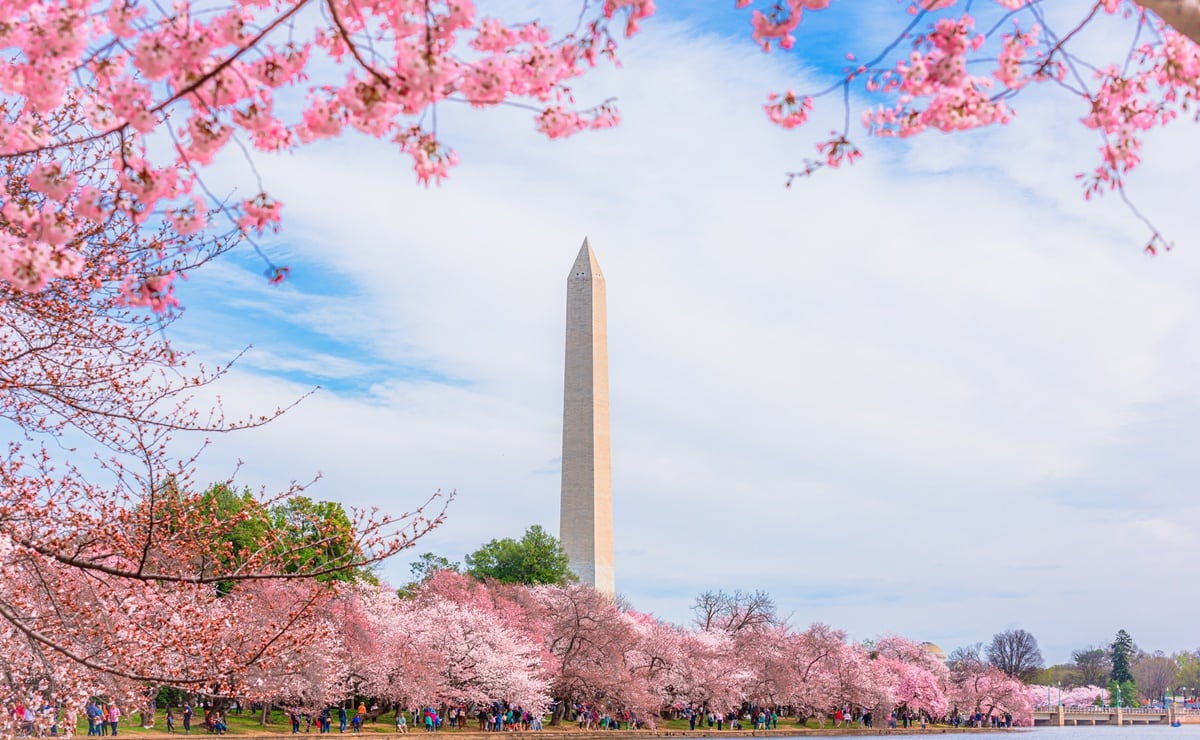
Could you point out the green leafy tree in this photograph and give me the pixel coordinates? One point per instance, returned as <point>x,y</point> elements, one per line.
<point>249,525</point>
<point>427,565</point>
<point>1189,673</point>
<point>537,558</point>
<point>302,534</point>
<point>1065,674</point>
<point>1121,654</point>
<point>1123,693</point>
<point>317,535</point>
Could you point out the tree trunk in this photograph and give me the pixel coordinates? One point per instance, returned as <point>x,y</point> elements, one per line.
<point>1182,15</point>
<point>560,712</point>
<point>266,714</point>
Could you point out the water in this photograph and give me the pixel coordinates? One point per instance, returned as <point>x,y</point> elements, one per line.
<point>1097,732</point>
<point>1112,732</point>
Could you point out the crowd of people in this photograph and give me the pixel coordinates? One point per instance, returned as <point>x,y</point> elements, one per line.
<point>103,718</point>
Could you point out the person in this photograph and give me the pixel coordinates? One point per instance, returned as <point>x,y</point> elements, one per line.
<point>170,720</point>
<point>219,726</point>
<point>356,724</point>
<point>93,711</point>
<point>401,723</point>
<point>341,719</point>
<point>187,718</point>
<point>114,714</point>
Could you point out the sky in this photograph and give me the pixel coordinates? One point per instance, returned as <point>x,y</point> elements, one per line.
<point>935,394</point>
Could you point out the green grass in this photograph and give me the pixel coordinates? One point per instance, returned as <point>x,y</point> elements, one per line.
<point>250,723</point>
<point>246,723</point>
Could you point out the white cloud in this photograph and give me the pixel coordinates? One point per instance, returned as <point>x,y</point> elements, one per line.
<point>866,394</point>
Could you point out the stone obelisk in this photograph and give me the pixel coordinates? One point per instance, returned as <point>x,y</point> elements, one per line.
<point>585,525</point>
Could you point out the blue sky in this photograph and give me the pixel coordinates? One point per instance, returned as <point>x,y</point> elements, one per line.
<point>934,394</point>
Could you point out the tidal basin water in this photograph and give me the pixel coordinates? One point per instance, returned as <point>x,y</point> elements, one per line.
<point>1099,732</point>
<point>1105,732</point>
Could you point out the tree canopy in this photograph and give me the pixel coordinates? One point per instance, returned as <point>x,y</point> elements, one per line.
<point>537,558</point>
<point>1121,653</point>
<point>1093,665</point>
<point>1015,652</point>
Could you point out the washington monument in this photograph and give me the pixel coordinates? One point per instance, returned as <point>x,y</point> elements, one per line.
<point>585,525</point>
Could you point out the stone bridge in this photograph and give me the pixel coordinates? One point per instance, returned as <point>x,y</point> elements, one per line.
<point>1060,716</point>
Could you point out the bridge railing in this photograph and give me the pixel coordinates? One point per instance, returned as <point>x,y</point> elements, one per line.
<point>1092,709</point>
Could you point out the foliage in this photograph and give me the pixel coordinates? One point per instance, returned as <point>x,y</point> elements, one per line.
<point>537,558</point>
<point>1123,693</point>
<point>427,565</point>
<point>1063,674</point>
<point>1120,653</point>
<point>1189,671</point>
<point>318,536</point>
<point>1078,696</point>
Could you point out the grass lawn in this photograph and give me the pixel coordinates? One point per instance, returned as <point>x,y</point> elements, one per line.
<point>250,723</point>
<point>247,723</point>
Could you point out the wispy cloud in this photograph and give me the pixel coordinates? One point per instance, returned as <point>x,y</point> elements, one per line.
<point>881,395</point>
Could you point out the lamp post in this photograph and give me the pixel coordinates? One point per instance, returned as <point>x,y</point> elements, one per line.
<point>1047,696</point>
<point>1060,693</point>
<point>1118,696</point>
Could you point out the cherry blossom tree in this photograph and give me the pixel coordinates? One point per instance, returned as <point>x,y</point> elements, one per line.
<point>917,676</point>
<point>434,648</point>
<point>734,612</point>
<point>121,572</point>
<point>1076,696</point>
<point>976,686</point>
<point>112,110</point>
<point>593,650</point>
<point>809,672</point>
<point>953,67</point>
<point>656,658</point>
<point>712,673</point>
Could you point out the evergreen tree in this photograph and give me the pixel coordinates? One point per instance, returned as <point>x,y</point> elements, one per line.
<point>1120,652</point>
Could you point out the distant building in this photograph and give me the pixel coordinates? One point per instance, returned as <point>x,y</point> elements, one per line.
<point>935,650</point>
